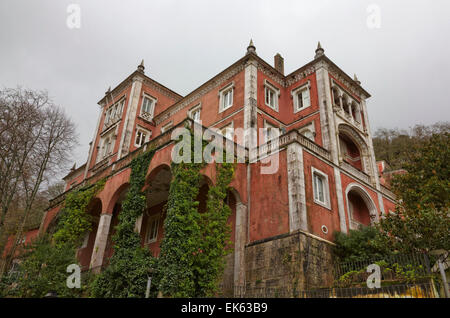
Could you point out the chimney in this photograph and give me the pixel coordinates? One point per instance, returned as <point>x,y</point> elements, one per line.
<point>279,63</point>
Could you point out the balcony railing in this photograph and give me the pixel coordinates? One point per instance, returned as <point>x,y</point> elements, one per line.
<point>356,172</point>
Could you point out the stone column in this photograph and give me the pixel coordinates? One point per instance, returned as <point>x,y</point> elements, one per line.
<point>239,244</point>
<point>130,117</point>
<point>296,188</point>
<point>138,224</point>
<point>100,241</point>
<point>340,200</point>
<point>373,170</point>
<point>327,118</point>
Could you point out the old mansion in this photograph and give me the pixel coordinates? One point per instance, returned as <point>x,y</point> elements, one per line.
<point>328,179</point>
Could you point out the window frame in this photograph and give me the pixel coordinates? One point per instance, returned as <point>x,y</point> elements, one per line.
<point>152,106</point>
<point>147,137</point>
<point>325,187</point>
<point>298,90</point>
<point>193,110</point>
<point>275,90</point>
<point>151,218</point>
<point>222,93</point>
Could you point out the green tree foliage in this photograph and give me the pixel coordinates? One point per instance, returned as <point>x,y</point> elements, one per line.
<point>359,245</point>
<point>216,243</point>
<point>75,222</point>
<point>399,146</point>
<point>422,218</point>
<point>191,262</point>
<point>126,276</point>
<point>42,270</point>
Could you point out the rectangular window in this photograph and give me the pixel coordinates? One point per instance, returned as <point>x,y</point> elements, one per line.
<point>152,229</point>
<point>140,138</point>
<point>227,99</point>
<point>147,105</point>
<point>301,97</point>
<point>321,188</point>
<point>271,95</point>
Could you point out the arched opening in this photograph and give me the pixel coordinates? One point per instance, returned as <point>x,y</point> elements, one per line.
<point>350,152</point>
<point>84,253</point>
<point>157,194</point>
<point>362,210</point>
<point>116,203</point>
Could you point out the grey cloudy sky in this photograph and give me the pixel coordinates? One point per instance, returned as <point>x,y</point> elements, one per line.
<point>404,64</point>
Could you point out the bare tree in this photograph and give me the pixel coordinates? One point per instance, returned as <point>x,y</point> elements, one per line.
<point>33,151</point>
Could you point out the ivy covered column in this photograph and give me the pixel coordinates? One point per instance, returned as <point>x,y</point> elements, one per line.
<point>239,245</point>
<point>100,242</point>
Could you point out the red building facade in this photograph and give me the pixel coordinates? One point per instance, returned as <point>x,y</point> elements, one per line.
<point>327,178</point>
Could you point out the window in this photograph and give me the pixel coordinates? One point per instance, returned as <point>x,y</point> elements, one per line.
<point>147,108</point>
<point>301,97</point>
<point>271,95</point>
<point>114,112</point>
<point>166,127</point>
<point>107,149</point>
<point>321,188</point>
<point>194,113</point>
<point>152,229</point>
<point>142,137</point>
<point>226,97</point>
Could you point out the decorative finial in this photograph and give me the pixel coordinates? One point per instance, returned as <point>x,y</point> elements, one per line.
<point>357,81</point>
<point>141,67</point>
<point>108,91</point>
<point>251,47</point>
<point>319,50</point>
<point>74,167</point>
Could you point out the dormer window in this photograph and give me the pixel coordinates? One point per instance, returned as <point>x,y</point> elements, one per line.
<point>271,95</point>
<point>302,98</point>
<point>148,107</point>
<point>226,97</point>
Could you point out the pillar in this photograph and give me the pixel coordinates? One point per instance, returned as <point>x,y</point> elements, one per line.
<point>239,244</point>
<point>296,188</point>
<point>100,242</point>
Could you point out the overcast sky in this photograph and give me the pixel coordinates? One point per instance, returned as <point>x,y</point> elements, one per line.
<point>404,64</point>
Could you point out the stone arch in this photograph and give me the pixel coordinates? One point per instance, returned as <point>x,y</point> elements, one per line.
<point>347,132</point>
<point>117,196</point>
<point>84,253</point>
<point>353,193</point>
